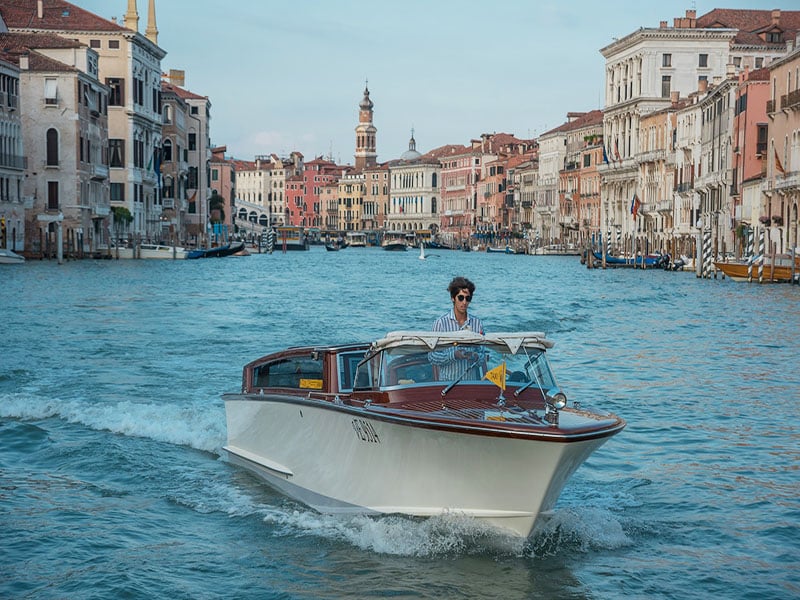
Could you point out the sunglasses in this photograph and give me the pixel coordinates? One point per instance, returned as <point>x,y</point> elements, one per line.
<point>461,298</point>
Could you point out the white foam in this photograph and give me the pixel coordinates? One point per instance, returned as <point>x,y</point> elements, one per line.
<point>201,427</point>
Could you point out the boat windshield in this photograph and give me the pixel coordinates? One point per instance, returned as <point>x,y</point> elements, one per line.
<point>466,363</point>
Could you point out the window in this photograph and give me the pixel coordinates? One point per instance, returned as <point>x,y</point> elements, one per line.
<point>113,44</point>
<point>94,43</point>
<point>774,37</point>
<point>52,147</point>
<point>761,139</point>
<point>666,60</point>
<point>665,85</point>
<point>52,195</point>
<point>116,97</point>
<point>214,175</point>
<point>703,60</point>
<point>116,150</point>
<point>118,192</point>
<point>192,141</point>
<point>166,148</point>
<point>587,160</point>
<point>51,91</point>
<point>737,62</point>
<point>759,62</point>
<point>191,181</point>
<point>299,372</point>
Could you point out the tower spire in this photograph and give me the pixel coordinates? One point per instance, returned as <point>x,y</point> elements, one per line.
<point>131,19</point>
<point>366,154</point>
<point>151,33</point>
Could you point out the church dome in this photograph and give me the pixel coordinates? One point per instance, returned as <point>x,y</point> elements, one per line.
<point>366,103</point>
<point>411,153</point>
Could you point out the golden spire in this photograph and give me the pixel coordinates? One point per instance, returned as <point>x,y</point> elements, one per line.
<point>151,33</point>
<point>131,19</point>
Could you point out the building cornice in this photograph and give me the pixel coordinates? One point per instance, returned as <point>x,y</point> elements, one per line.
<point>666,34</point>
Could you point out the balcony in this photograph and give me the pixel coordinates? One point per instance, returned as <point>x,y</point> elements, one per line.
<point>789,182</point>
<point>652,156</point>
<point>791,100</point>
<point>770,107</point>
<point>684,188</point>
<point>99,172</point>
<point>13,161</point>
<point>664,207</point>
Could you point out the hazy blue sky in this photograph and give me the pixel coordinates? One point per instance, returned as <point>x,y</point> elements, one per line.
<point>286,76</point>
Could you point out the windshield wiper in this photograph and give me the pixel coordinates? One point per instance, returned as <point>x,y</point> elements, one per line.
<point>460,377</point>
<point>523,388</point>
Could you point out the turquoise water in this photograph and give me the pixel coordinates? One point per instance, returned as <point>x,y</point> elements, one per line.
<point>111,424</point>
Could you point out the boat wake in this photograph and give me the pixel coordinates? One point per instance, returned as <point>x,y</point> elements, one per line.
<point>569,529</point>
<point>181,425</point>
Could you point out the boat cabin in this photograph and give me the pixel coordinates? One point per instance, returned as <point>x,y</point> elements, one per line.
<point>411,366</point>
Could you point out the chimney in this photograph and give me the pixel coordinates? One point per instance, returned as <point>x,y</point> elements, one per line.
<point>691,14</point>
<point>24,65</point>
<point>674,96</point>
<point>702,86</point>
<point>40,9</point>
<point>730,71</point>
<point>662,25</point>
<point>776,16</point>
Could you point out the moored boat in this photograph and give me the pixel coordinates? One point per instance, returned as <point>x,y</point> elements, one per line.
<point>506,250</point>
<point>217,252</point>
<point>416,423</point>
<point>765,269</point>
<point>394,241</point>
<point>9,257</point>
<point>144,251</point>
<point>356,239</point>
<point>647,260</point>
<point>291,238</point>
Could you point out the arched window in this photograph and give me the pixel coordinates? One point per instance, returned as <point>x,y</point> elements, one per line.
<point>167,151</point>
<point>52,147</point>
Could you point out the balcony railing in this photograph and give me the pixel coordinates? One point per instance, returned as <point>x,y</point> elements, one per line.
<point>13,161</point>
<point>770,106</point>
<point>790,181</point>
<point>792,99</point>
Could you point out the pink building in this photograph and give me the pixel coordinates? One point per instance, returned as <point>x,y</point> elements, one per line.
<point>749,141</point>
<point>316,174</point>
<point>295,201</point>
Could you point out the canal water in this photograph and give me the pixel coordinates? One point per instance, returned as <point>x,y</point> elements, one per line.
<point>111,424</point>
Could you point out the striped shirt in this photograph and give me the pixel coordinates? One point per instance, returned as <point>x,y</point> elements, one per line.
<point>451,368</point>
<point>448,322</point>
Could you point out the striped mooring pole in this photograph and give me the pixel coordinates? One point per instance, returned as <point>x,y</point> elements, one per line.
<point>707,253</point>
<point>749,254</point>
<point>761,256</point>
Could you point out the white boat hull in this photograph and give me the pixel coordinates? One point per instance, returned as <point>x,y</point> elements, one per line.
<point>147,251</point>
<point>7,257</point>
<point>339,460</point>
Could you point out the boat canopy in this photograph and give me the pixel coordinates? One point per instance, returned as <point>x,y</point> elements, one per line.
<point>433,339</point>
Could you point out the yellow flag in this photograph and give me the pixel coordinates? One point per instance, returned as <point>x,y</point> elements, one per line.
<point>497,375</point>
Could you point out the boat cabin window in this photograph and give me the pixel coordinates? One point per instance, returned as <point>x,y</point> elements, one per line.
<point>466,363</point>
<point>298,372</point>
<point>347,363</point>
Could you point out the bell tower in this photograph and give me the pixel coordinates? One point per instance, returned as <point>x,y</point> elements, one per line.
<point>366,154</point>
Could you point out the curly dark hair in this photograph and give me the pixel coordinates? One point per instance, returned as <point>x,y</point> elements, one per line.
<point>458,284</point>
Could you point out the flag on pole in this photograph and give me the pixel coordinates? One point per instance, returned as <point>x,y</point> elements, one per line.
<point>635,204</point>
<point>778,165</point>
<point>497,375</point>
<point>605,156</point>
<point>192,197</point>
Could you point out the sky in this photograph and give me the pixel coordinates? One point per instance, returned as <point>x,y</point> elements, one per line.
<point>288,76</point>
